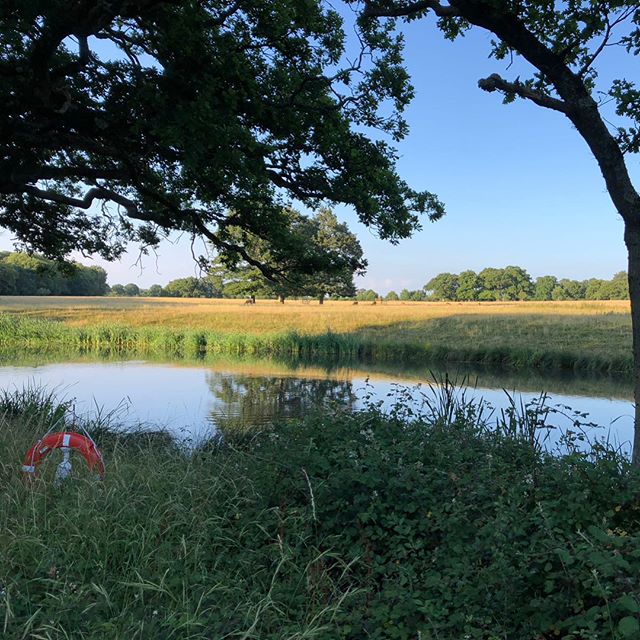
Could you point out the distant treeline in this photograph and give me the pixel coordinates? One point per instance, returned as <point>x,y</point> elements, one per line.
<point>514,283</point>
<point>189,287</point>
<point>32,275</point>
<point>510,283</point>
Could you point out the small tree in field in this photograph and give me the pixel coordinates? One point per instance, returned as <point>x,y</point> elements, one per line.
<point>563,42</point>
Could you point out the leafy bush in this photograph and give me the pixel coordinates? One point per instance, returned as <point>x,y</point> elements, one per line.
<point>454,532</point>
<point>342,526</point>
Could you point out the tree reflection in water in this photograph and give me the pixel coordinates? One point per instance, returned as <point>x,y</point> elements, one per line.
<point>245,401</point>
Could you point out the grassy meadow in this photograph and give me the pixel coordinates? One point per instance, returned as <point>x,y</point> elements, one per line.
<point>582,335</point>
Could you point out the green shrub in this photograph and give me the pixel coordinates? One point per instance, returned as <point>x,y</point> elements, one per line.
<point>340,526</point>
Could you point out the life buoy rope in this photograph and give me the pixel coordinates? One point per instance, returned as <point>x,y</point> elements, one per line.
<point>66,441</point>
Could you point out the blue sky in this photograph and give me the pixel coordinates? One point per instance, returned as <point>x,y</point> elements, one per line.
<point>519,184</point>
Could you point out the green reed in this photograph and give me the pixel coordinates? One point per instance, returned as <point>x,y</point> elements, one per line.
<point>408,346</point>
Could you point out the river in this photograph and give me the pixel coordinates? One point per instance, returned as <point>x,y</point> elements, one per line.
<point>192,399</point>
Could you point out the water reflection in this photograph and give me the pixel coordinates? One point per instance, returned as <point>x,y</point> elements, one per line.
<point>581,383</point>
<point>190,398</point>
<point>243,401</point>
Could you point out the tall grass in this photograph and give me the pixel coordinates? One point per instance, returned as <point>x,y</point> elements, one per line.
<point>343,526</point>
<point>171,544</point>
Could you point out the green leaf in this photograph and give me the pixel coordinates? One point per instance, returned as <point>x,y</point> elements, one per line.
<point>628,603</point>
<point>628,627</point>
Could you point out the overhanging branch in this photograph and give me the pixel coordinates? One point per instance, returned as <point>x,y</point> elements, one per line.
<point>215,239</point>
<point>495,83</point>
<point>95,193</point>
<point>442,11</point>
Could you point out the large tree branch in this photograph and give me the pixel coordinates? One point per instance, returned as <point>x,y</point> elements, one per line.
<point>32,174</point>
<point>95,193</point>
<point>581,108</point>
<point>495,83</point>
<point>84,56</point>
<point>219,243</point>
<point>442,11</point>
<point>576,100</point>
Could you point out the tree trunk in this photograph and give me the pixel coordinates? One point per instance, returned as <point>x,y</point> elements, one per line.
<point>632,240</point>
<point>321,298</point>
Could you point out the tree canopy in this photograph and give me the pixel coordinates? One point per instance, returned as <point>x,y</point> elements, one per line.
<point>31,275</point>
<point>121,121</point>
<point>330,244</point>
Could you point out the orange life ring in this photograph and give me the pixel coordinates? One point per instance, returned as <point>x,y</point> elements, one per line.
<point>63,440</point>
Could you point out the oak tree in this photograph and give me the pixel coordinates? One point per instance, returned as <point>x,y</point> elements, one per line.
<point>319,240</point>
<point>121,121</point>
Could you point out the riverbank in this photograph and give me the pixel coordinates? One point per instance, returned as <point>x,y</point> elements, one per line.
<point>581,336</point>
<point>340,526</point>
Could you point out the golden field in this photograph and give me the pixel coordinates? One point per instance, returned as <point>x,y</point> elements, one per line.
<point>304,317</point>
<point>578,335</point>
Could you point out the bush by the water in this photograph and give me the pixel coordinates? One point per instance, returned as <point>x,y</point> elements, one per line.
<point>353,526</point>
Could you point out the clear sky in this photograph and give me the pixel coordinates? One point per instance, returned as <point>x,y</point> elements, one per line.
<point>519,184</point>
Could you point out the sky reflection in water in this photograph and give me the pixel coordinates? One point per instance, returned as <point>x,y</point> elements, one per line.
<point>190,401</point>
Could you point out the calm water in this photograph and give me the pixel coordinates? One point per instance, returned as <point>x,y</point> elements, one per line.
<point>193,399</point>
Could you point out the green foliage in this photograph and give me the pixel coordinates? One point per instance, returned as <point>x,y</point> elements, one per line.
<point>569,290</point>
<point>336,239</point>
<point>415,296</point>
<point>366,295</point>
<point>544,286</point>
<point>154,291</point>
<point>321,242</point>
<point>342,526</point>
<point>469,286</point>
<point>194,116</point>
<point>28,275</point>
<point>443,287</point>
<point>510,283</point>
<point>460,534</point>
<point>131,289</point>
<point>392,296</point>
<point>514,283</point>
<point>189,287</point>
